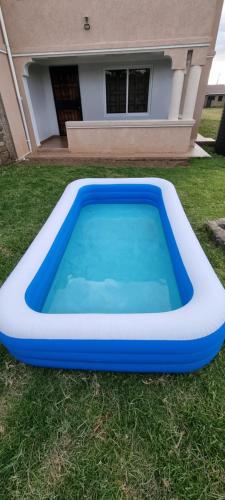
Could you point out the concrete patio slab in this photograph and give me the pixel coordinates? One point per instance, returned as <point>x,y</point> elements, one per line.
<point>198,152</point>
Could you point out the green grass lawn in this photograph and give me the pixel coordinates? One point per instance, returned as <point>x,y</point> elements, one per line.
<point>84,435</point>
<point>210,122</point>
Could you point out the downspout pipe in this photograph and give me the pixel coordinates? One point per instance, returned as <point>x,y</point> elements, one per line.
<point>14,77</point>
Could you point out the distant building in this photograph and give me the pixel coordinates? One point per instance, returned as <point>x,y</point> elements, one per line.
<point>215,96</point>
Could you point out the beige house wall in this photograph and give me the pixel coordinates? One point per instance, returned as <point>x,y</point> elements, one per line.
<point>21,65</point>
<point>9,99</point>
<point>129,139</point>
<point>53,25</point>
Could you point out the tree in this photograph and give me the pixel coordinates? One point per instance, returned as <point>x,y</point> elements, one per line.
<point>220,141</point>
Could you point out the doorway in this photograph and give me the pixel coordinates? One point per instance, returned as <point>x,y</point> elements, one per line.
<point>66,91</point>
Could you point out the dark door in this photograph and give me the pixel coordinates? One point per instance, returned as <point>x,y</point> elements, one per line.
<point>209,101</point>
<point>66,91</point>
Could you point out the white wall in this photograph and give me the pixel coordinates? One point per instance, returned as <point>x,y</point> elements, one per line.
<point>92,88</point>
<point>40,88</point>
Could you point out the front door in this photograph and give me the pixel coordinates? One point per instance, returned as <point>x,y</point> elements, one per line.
<point>66,91</point>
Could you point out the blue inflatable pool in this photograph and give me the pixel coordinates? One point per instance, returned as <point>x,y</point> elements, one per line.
<point>115,280</point>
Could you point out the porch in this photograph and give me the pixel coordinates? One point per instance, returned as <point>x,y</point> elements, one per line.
<point>54,142</point>
<point>114,105</point>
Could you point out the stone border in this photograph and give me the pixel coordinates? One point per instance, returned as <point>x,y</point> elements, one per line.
<point>217,229</point>
<point>7,149</point>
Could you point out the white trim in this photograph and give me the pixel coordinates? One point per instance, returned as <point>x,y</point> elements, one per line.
<point>216,94</point>
<point>129,124</point>
<point>201,316</point>
<point>191,91</point>
<point>176,94</point>
<point>127,67</point>
<point>120,50</point>
<point>31,110</point>
<point>22,158</point>
<point>127,92</point>
<point>2,51</point>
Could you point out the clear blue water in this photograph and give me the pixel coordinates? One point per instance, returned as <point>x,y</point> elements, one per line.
<point>116,261</point>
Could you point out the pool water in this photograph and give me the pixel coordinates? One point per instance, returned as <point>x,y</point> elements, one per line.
<point>116,261</point>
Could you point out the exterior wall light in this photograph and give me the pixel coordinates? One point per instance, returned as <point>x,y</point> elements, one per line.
<point>86,23</point>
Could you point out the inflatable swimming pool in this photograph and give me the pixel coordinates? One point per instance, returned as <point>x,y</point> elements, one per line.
<point>115,280</point>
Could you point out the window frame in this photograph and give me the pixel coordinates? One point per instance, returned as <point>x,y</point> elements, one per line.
<point>127,68</point>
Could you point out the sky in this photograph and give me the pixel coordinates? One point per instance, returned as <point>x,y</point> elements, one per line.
<point>217,74</point>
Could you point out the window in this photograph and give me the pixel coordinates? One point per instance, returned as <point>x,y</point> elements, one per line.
<point>220,98</point>
<point>116,84</point>
<point>127,90</point>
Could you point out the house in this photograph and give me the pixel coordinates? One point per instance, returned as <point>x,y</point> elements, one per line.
<point>215,96</point>
<point>104,78</point>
